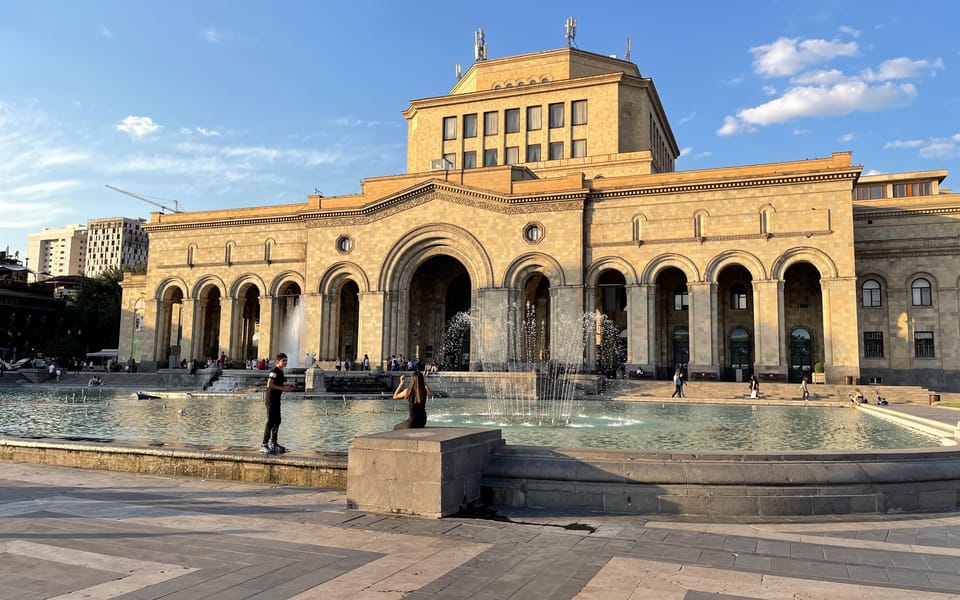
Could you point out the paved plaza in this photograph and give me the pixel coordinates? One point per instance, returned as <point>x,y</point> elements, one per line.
<point>70,533</point>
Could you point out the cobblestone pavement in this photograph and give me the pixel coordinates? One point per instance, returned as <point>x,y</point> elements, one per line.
<point>69,533</point>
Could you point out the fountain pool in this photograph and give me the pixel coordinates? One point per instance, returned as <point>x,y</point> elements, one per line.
<point>230,420</point>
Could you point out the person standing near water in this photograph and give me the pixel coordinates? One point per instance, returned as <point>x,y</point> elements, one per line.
<point>416,396</point>
<point>271,397</point>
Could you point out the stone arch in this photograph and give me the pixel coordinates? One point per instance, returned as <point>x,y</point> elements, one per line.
<point>285,277</point>
<point>165,287</point>
<point>437,239</point>
<point>610,262</point>
<point>533,262</point>
<point>203,284</point>
<point>818,258</point>
<point>739,257</point>
<point>659,263</point>
<point>340,272</point>
<point>244,280</point>
<point>908,282</point>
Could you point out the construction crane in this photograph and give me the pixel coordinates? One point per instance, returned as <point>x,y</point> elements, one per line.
<point>176,205</point>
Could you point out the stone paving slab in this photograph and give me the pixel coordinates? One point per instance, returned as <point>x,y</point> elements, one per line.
<point>70,533</point>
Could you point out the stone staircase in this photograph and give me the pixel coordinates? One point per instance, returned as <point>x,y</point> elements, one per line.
<point>780,392</point>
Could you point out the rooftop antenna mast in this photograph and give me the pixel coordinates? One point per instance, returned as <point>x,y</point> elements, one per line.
<point>571,27</point>
<point>479,46</point>
<point>627,55</point>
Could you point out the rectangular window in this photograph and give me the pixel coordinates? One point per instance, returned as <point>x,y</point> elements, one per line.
<point>449,128</point>
<point>470,126</point>
<point>511,120</point>
<point>449,161</point>
<point>907,190</point>
<point>681,299</point>
<point>489,158</point>
<point>870,192</point>
<point>511,155</point>
<point>556,150</point>
<point>578,149</point>
<point>490,123</point>
<point>873,344</point>
<point>556,115</point>
<point>923,344</point>
<point>578,110</point>
<point>533,118</point>
<point>533,153</point>
<point>469,160</point>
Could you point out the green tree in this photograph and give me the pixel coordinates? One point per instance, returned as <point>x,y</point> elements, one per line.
<point>96,305</point>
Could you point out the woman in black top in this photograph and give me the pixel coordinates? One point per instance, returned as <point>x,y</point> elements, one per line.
<point>416,396</point>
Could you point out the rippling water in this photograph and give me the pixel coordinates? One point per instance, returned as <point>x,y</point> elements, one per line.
<point>331,424</point>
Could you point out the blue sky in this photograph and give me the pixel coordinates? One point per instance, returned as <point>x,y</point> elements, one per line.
<point>237,103</point>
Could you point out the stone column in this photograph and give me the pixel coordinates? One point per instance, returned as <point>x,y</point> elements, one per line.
<point>265,339</point>
<point>637,351</point>
<point>371,330</point>
<point>590,308</point>
<point>226,338</point>
<point>768,324</point>
<point>188,326</point>
<point>312,331</point>
<point>702,323</point>
<point>492,342</point>
<point>566,322</point>
<point>841,346</point>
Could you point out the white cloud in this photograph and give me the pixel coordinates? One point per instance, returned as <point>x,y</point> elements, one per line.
<point>730,126</point>
<point>213,36</point>
<point>847,137</point>
<point>788,56</point>
<point>685,151</point>
<point>902,68</point>
<point>897,144</point>
<point>354,122</point>
<point>854,33</point>
<point>831,77</point>
<point>43,189</point>
<point>769,90</point>
<point>799,131</point>
<point>207,132</point>
<point>138,127</point>
<point>832,101</point>
<point>687,118</point>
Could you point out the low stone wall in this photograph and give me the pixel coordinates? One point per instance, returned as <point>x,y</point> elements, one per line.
<point>723,483</point>
<point>322,470</point>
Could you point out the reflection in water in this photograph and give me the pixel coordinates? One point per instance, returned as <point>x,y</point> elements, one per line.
<point>331,424</point>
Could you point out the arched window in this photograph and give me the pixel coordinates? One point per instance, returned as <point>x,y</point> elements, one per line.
<point>871,294</point>
<point>268,251</point>
<point>699,221</point>
<point>738,297</point>
<point>228,253</point>
<point>637,229</point>
<point>922,295</point>
<point>765,220</point>
<point>681,299</point>
<point>190,253</point>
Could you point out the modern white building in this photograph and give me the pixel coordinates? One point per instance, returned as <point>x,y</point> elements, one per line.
<point>115,243</point>
<point>57,252</point>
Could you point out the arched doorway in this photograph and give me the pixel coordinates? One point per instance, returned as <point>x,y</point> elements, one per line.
<point>440,290</point>
<point>740,354</point>
<point>803,315</point>
<point>672,326</point>
<point>169,329</point>
<point>348,321</point>
<point>801,355</point>
<point>535,320</point>
<point>209,346</point>
<point>610,330</point>
<point>290,321</point>
<point>735,315</point>
<point>249,334</point>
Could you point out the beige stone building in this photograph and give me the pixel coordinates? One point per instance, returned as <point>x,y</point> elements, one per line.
<point>541,194</point>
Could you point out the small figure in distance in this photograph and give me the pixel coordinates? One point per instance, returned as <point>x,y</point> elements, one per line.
<point>416,396</point>
<point>804,392</point>
<point>856,397</point>
<point>881,401</point>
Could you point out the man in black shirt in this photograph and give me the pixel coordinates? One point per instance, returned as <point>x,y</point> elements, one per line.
<point>271,397</point>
